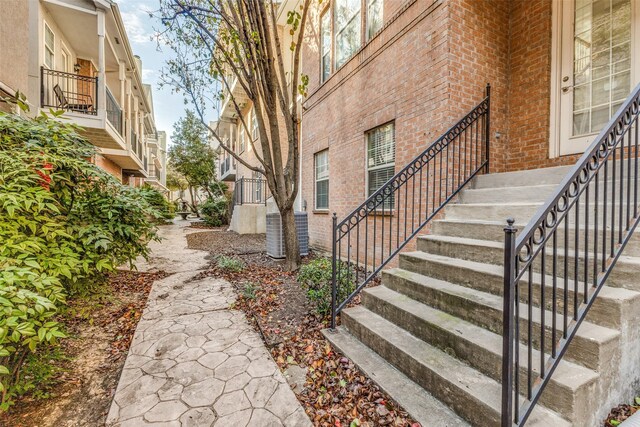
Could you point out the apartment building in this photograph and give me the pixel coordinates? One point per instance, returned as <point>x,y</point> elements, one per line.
<point>14,36</point>
<point>423,164</point>
<point>239,131</point>
<point>74,55</point>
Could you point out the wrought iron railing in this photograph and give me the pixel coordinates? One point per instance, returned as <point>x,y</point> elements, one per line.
<point>561,260</point>
<point>114,112</point>
<point>369,237</point>
<point>67,91</point>
<point>250,191</point>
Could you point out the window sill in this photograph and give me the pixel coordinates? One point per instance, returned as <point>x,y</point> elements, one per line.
<point>321,211</point>
<point>383,214</point>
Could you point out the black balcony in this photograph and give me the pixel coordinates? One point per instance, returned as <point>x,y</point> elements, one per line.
<point>69,92</point>
<point>114,112</point>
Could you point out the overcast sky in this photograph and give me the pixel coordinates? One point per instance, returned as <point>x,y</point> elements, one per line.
<point>169,107</point>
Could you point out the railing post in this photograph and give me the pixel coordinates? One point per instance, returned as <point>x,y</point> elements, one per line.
<point>508,323</point>
<point>334,287</point>
<point>487,126</point>
<point>41,86</point>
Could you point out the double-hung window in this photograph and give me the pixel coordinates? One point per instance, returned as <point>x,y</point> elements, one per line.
<point>325,31</point>
<point>374,17</point>
<point>242,140</point>
<point>381,157</point>
<point>347,28</point>
<point>254,125</point>
<point>49,47</point>
<point>322,180</point>
<point>341,39</point>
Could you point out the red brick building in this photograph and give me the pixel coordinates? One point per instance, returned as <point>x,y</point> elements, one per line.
<point>418,66</point>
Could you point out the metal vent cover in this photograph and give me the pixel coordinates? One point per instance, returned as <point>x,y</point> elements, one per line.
<point>275,239</point>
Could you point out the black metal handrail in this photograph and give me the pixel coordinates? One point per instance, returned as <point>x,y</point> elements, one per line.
<point>366,240</point>
<point>250,191</point>
<point>67,91</point>
<point>568,249</point>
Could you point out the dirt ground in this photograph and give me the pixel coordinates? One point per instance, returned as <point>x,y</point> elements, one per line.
<point>100,331</point>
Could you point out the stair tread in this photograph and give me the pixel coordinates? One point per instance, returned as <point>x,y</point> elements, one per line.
<point>569,374</point>
<point>500,245</point>
<point>452,370</point>
<point>607,292</point>
<point>422,406</point>
<point>587,330</point>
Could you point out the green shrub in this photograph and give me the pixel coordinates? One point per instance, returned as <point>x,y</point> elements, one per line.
<point>249,290</point>
<point>166,210</point>
<point>315,277</point>
<point>215,211</point>
<point>230,264</point>
<point>63,223</point>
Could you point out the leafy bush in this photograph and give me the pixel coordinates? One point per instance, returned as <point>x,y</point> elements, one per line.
<point>166,209</point>
<point>64,222</point>
<point>230,264</point>
<point>249,290</point>
<point>215,211</point>
<point>315,277</point>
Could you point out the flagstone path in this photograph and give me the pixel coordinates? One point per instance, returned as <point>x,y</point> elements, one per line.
<point>193,360</point>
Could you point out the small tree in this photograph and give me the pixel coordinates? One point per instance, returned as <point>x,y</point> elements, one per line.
<point>192,157</point>
<point>218,42</point>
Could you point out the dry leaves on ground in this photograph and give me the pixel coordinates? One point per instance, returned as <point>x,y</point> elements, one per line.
<point>100,331</point>
<point>621,413</point>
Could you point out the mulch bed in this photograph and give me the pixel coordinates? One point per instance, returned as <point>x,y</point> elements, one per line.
<point>334,392</point>
<point>100,330</point>
<point>621,413</point>
<point>200,224</point>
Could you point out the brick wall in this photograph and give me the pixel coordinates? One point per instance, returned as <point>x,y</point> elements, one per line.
<point>424,70</point>
<point>530,87</point>
<point>108,165</point>
<point>401,75</point>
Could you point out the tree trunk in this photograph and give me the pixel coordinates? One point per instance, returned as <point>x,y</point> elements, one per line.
<point>290,235</point>
<point>194,202</point>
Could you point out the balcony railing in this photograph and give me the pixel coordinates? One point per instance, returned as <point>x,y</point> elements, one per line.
<point>250,191</point>
<point>67,91</point>
<point>135,145</point>
<point>114,112</point>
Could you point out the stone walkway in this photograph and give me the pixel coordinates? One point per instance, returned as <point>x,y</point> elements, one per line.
<point>193,360</point>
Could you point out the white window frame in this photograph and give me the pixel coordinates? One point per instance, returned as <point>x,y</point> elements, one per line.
<point>356,16</point>
<point>242,139</point>
<point>51,49</point>
<point>391,164</point>
<point>317,180</point>
<point>326,50</point>
<point>254,124</point>
<point>363,15</point>
<point>368,33</point>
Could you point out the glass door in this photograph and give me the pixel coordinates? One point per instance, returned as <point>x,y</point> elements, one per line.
<point>598,53</point>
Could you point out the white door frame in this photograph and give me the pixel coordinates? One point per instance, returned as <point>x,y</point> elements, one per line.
<point>556,68</point>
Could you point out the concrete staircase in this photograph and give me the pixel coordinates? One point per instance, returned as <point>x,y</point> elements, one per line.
<point>434,325</point>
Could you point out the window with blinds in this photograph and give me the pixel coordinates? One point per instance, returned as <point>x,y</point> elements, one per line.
<point>322,179</point>
<point>241,140</point>
<point>381,157</point>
